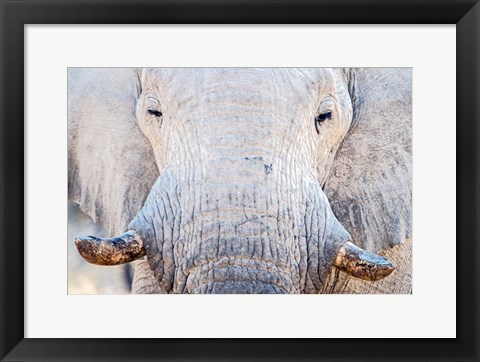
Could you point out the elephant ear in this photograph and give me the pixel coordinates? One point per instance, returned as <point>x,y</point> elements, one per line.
<point>111,165</point>
<point>370,183</point>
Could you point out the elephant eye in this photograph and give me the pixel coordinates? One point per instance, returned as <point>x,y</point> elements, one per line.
<point>155,113</point>
<point>322,117</point>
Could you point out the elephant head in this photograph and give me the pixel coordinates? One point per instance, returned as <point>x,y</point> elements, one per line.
<point>242,180</point>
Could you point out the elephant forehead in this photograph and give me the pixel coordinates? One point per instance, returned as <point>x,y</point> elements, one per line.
<point>291,87</point>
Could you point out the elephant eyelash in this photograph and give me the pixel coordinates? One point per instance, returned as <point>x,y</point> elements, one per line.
<point>322,117</point>
<point>155,113</point>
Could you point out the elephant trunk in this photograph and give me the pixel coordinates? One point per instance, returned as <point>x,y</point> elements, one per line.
<point>238,275</point>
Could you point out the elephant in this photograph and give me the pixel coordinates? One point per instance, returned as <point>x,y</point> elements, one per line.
<point>246,180</point>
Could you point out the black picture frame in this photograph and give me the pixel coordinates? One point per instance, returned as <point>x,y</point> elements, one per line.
<point>15,14</point>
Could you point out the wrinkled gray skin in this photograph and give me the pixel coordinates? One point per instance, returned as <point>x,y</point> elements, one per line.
<point>235,188</point>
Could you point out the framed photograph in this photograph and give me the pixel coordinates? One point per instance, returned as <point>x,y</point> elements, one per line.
<point>297,162</point>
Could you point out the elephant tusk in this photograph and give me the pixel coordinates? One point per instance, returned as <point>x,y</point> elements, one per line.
<point>111,251</point>
<point>362,264</point>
